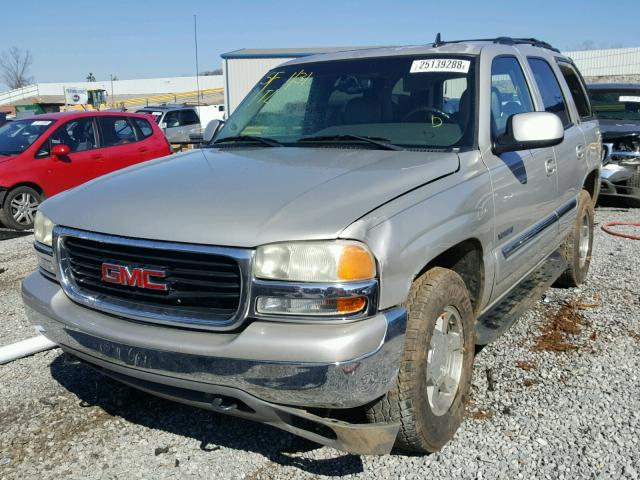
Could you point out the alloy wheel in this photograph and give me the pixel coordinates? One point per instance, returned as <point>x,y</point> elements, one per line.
<point>444,361</point>
<point>23,208</point>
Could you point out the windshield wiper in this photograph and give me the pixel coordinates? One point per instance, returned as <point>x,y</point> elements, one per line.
<point>382,143</point>
<point>270,142</point>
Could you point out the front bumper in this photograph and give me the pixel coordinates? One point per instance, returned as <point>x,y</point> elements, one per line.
<point>621,183</point>
<point>308,365</point>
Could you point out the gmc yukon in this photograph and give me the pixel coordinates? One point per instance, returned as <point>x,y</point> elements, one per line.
<point>329,262</point>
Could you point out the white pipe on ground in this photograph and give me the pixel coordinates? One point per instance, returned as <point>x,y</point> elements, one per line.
<point>25,348</point>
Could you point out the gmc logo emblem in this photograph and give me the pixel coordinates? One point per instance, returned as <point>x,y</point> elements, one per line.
<point>133,277</point>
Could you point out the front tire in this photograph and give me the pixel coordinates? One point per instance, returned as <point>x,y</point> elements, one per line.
<point>577,247</point>
<point>435,374</point>
<point>19,209</point>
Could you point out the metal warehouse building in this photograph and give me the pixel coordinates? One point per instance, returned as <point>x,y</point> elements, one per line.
<point>608,65</point>
<point>243,68</point>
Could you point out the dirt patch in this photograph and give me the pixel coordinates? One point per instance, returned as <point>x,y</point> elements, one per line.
<point>530,382</point>
<point>635,335</point>
<point>562,326</point>
<point>526,366</point>
<point>481,414</point>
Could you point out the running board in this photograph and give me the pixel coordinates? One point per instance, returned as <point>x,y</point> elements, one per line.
<point>496,321</point>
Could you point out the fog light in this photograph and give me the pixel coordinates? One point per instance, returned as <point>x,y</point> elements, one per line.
<point>310,306</point>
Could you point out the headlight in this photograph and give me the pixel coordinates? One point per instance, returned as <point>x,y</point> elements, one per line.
<point>322,261</point>
<point>43,229</point>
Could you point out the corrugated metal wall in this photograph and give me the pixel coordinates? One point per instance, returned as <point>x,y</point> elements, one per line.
<point>241,74</point>
<point>608,62</point>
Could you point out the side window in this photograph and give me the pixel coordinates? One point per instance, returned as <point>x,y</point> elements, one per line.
<point>577,89</point>
<point>172,119</point>
<point>116,131</point>
<point>144,127</point>
<point>550,90</point>
<point>188,117</point>
<point>79,135</point>
<point>509,93</point>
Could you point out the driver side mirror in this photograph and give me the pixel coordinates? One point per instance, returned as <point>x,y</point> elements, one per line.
<point>60,151</point>
<point>528,131</point>
<point>212,130</point>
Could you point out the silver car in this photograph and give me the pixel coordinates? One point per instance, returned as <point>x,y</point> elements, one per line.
<point>361,221</point>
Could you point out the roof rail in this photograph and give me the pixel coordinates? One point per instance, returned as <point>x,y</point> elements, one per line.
<point>501,40</point>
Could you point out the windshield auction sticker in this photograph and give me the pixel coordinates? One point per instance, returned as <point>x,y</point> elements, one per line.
<point>41,122</point>
<point>440,65</point>
<point>629,98</point>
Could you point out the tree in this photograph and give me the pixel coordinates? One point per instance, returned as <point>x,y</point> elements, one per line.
<point>14,67</point>
<point>206,73</point>
<point>91,78</point>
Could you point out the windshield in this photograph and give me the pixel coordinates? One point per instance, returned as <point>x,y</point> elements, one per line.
<point>154,113</point>
<point>616,104</point>
<point>17,136</point>
<point>424,102</point>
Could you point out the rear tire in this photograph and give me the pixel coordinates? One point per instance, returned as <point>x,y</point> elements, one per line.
<point>428,400</point>
<point>19,209</point>
<point>577,247</point>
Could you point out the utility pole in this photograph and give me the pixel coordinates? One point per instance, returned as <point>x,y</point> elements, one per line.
<point>113,99</point>
<point>195,38</point>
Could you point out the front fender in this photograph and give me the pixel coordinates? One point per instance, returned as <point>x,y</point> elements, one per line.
<point>406,234</point>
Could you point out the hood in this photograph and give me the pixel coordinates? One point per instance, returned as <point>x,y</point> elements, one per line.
<point>612,129</point>
<point>6,158</point>
<point>246,197</point>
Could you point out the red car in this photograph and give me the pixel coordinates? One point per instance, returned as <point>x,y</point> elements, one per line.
<point>43,155</point>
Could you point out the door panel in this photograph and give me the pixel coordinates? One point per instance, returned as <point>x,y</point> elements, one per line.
<point>524,183</point>
<point>524,197</point>
<point>82,163</point>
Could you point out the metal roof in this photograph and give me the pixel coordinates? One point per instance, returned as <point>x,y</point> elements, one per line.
<point>285,52</point>
<point>614,86</point>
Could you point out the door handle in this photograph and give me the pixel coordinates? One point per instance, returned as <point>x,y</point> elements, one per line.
<point>550,166</point>
<point>580,152</point>
<point>96,156</point>
<point>142,149</point>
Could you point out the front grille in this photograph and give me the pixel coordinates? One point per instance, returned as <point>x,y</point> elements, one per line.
<point>200,284</point>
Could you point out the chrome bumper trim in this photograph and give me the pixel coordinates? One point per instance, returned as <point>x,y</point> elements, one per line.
<point>329,384</point>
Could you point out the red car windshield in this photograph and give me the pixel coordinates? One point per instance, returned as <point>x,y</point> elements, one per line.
<point>17,136</point>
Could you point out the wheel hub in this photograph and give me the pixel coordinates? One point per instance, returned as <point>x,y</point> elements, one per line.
<point>583,243</point>
<point>444,361</point>
<point>23,208</point>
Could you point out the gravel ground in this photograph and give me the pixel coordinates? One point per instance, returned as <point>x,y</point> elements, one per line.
<point>536,414</point>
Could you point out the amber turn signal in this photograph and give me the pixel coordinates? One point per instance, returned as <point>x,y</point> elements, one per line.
<point>356,263</point>
<point>350,305</point>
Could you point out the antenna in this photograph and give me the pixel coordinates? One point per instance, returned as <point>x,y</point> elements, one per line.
<point>195,38</point>
<point>438,41</point>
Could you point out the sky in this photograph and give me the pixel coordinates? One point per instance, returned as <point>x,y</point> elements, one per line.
<point>145,39</point>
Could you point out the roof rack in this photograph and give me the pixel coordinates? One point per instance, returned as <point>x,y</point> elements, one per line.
<point>501,40</point>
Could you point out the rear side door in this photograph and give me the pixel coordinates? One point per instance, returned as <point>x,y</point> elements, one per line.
<point>84,160</point>
<point>570,155</point>
<point>584,117</point>
<point>151,143</point>
<point>120,145</point>
<point>524,187</point>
